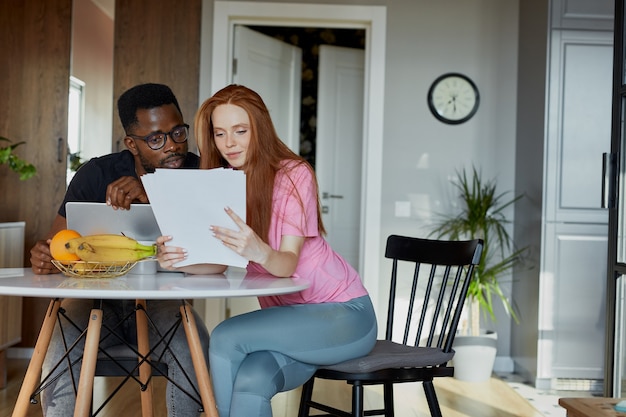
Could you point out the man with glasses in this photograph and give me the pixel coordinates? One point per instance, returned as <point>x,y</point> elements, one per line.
<point>156,137</point>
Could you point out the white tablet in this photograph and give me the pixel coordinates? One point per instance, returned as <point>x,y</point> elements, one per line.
<point>138,223</point>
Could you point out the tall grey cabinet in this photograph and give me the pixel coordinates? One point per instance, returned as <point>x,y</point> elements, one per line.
<point>565,218</point>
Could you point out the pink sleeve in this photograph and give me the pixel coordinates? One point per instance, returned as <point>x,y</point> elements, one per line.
<point>298,203</point>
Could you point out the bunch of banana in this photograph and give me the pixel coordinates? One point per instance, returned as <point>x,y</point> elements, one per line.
<point>109,248</point>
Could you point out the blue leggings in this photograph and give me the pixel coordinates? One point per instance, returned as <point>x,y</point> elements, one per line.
<point>255,355</point>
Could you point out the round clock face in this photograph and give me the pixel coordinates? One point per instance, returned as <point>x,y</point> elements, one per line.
<point>453,98</point>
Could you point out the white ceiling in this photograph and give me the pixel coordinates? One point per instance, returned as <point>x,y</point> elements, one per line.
<point>107,6</point>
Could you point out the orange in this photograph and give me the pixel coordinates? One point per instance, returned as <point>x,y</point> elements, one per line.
<point>57,245</point>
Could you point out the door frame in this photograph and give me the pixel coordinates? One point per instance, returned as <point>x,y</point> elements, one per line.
<point>215,59</point>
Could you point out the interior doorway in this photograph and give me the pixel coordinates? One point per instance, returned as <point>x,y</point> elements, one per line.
<point>310,40</point>
<point>324,122</point>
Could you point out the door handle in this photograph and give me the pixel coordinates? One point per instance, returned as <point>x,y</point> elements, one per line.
<point>609,164</point>
<point>325,195</point>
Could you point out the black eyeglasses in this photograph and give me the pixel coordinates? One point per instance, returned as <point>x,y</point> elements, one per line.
<point>157,140</point>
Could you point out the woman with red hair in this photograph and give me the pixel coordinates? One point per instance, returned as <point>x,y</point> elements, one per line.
<point>278,348</point>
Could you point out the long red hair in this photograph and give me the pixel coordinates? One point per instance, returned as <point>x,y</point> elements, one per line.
<point>265,157</point>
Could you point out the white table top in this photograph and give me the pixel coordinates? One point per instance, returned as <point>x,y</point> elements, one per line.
<point>235,282</point>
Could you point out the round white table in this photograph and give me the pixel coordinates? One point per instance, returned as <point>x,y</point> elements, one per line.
<point>235,282</point>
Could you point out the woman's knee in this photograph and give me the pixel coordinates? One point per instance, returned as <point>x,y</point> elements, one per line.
<point>259,374</point>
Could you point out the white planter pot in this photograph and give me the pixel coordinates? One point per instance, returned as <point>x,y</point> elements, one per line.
<point>474,356</point>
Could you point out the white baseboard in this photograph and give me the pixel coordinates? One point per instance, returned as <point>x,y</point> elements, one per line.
<point>504,364</point>
<point>20,353</point>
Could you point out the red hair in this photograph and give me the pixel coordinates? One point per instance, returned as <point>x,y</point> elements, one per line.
<point>265,157</point>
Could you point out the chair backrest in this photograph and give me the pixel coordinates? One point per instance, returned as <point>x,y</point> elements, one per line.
<point>429,283</point>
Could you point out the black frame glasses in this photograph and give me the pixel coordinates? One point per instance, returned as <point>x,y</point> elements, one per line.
<point>156,141</point>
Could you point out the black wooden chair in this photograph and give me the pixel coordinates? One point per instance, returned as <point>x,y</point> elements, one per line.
<point>429,283</point>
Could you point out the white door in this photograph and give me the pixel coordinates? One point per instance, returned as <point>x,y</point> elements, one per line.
<point>273,69</point>
<point>339,148</point>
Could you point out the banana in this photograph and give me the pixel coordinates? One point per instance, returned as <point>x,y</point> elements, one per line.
<point>80,269</point>
<point>109,240</point>
<point>109,248</point>
<point>87,252</point>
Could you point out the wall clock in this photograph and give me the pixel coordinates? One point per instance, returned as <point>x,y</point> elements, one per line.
<point>453,98</point>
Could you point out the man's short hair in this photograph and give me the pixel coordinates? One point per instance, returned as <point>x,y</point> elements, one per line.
<point>143,96</point>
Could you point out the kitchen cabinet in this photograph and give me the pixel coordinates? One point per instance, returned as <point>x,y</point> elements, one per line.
<point>574,242</point>
<point>582,14</point>
<point>563,217</point>
<point>572,299</point>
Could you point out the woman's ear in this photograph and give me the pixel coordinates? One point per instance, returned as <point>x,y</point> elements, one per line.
<point>131,145</point>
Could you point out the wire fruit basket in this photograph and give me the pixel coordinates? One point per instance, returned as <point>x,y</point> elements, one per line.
<point>84,269</point>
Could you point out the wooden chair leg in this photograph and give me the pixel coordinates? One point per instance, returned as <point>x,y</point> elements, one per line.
<point>88,367</point>
<point>33,372</point>
<point>145,370</point>
<point>199,361</point>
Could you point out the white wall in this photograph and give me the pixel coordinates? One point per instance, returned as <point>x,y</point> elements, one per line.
<point>92,62</point>
<point>477,38</point>
<point>424,40</point>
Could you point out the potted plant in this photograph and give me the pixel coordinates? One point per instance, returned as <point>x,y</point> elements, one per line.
<point>482,216</point>
<point>16,164</point>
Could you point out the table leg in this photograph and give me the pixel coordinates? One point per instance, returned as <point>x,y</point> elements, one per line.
<point>33,372</point>
<point>145,370</point>
<point>88,367</point>
<point>199,362</point>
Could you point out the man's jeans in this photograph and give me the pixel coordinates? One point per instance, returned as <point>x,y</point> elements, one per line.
<point>58,399</point>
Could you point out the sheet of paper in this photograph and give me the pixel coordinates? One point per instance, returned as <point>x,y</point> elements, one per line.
<point>186,202</point>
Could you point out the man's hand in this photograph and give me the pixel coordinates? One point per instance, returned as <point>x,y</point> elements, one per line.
<point>40,257</point>
<point>124,191</point>
<point>41,260</point>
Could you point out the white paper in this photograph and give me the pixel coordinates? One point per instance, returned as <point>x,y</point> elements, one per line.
<point>186,202</point>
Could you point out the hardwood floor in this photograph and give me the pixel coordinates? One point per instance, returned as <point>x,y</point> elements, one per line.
<point>493,398</point>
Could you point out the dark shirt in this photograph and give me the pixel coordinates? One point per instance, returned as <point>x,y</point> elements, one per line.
<point>91,180</point>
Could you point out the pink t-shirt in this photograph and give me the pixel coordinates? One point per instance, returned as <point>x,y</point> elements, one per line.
<point>331,278</point>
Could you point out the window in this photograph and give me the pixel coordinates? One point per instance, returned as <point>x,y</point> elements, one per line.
<point>75,116</point>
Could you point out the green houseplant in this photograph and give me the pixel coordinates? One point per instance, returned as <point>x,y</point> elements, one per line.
<point>15,163</point>
<point>482,216</point>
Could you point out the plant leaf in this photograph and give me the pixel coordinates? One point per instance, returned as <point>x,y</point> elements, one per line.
<point>482,217</point>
